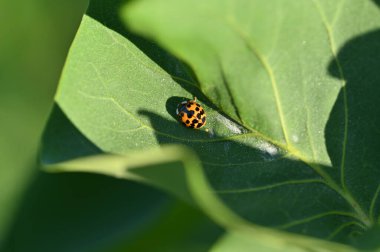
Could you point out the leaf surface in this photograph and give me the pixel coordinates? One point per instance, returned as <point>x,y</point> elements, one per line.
<point>286,88</point>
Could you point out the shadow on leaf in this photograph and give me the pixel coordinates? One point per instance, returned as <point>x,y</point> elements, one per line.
<point>91,212</point>
<point>352,132</point>
<point>264,186</point>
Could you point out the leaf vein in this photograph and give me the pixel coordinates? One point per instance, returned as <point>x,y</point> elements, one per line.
<point>342,227</point>
<point>315,217</point>
<point>373,204</point>
<point>333,49</point>
<point>268,187</point>
<point>129,114</point>
<point>243,163</point>
<point>158,71</point>
<point>98,75</point>
<point>229,91</point>
<point>337,12</point>
<point>268,69</point>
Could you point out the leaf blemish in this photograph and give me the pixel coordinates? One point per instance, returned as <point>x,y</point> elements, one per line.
<point>295,138</point>
<point>269,151</point>
<point>232,126</point>
<point>211,132</point>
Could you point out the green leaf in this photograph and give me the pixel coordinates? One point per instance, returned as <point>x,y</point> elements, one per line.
<point>264,64</point>
<point>138,167</point>
<point>290,91</point>
<point>236,242</point>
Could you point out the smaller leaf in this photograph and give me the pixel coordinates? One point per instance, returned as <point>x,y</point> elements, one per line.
<point>144,163</point>
<point>233,241</point>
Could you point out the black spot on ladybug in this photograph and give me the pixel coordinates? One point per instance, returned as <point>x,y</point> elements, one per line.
<point>199,116</point>
<point>190,114</point>
<point>187,121</point>
<point>188,105</point>
<point>197,109</point>
<point>195,121</point>
<point>199,125</point>
<point>202,112</point>
<point>203,119</point>
<point>182,114</point>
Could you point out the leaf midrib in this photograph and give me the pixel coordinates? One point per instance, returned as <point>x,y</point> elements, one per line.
<point>144,125</point>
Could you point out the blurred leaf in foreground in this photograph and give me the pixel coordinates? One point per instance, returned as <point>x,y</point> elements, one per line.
<point>35,37</point>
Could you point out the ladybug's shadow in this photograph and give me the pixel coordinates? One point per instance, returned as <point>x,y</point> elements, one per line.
<point>172,105</point>
<point>206,145</point>
<point>169,131</point>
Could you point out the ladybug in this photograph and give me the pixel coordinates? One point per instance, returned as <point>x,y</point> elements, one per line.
<point>191,114</point>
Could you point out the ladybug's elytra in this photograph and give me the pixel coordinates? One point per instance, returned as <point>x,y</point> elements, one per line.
<point>191,114</point>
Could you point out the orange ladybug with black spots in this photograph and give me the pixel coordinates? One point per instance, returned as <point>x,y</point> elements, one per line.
<point>191,114</point>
